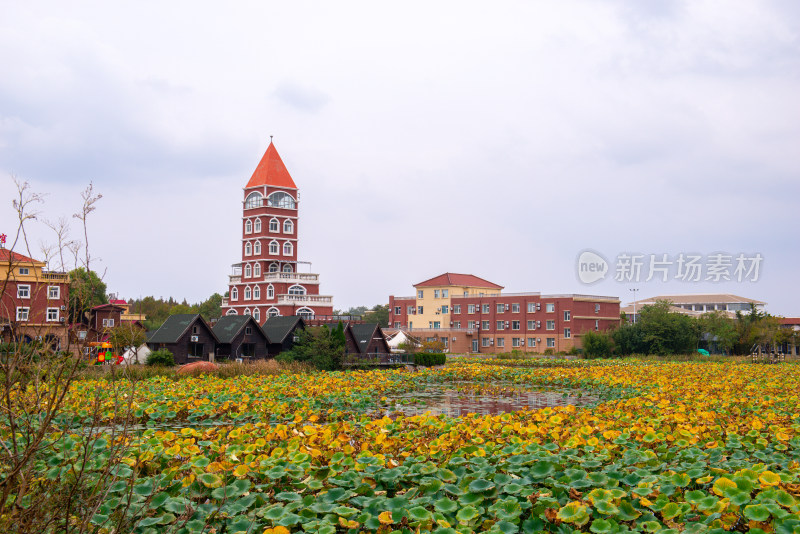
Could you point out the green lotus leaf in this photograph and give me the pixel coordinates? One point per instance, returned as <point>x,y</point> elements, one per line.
<point>467,514</point>
<point>574,512</point>
<point>601,526</point>
<point>756,512</point>
<point>210,480</point>
<point>445,505</point>
<point>481,485</point>
<point>418,513</point>
<point>541,470</point>
<point>606,508</point>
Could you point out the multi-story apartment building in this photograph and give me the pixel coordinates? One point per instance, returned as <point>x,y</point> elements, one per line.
<point>33,305</point>
<point>267,281</point>
<point>470,314</point>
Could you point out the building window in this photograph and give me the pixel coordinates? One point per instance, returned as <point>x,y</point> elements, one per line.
<point>531,307</point>
<point>532,342</point>
<point>24,271</point>
<point>247,293</point>
<point>22,314</point>
<point>531,325</point>
<point>108,323</point>
<point>273,267</point>
<point>551,307</point>
<point>551,325</point>
<point>273,312</point>
<point>419,310</point>
<point>287,249</point>
<point>596,324</point>
<point>273,248</point>
<point>257,270</point>
<point>470,308</point>
<point>23,291</point>
<point>597,308</point>
<point>445,293</point>
<point>195,350</point>
<point>257,293</point>
<point>248,271</point>
<point>297,290</point>
<point>53,292</point>
<point>281,200</point>
<point>305,313</point>
<point>256,315</point>
<point>485,325</point>
<point>410,325</point>
<point>288,226</point>
<point>52,314</point>
<point>257,248</point>
<point>397,324</point>
<point>567,315</point>
<point>500,325</point>
<point>470,325</point>
<point>231,312</point>
<point>234,294</point>
<point>457,324</point>
<point>248,249</point>
<point>419,293</point>
<point>253,200</point>
<point>485,342</point>
<point>287,268</point>
<point>501,342</point>
<point>457,308</point>
<point>270,292</point>
<point>247,311</point>
<point>437,325</point>
<point>398,310</point>
<point>515,342</point>
<point>551,342</point>
<point>485,308</point>
<point>515,308</point>
<point>436,293</point>
<point>410,310</point>
<point>274,225</point>
<point>514,325</point>
<point>445,309</point>
<point>567,333</point>
<point>501,307</point>
<point>248,226</point>
<point>257,225</point>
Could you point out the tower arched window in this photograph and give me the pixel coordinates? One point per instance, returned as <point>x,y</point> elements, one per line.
<point>270,292</point>
<point>288,226</point>
<point>273,248</point>
<point>231,312</point>
<point>287,267</point>
<point>248,249</point>
<point>273,267</point>
<point>305,313</point>
<point>248,226</point>
<point>254,200</point>
<point>297,290</point>
<point>273,312</point>
<point>257,226</point>
<point>248,271</point>
<point>257,248</point>
<point>234,294</point>
<point>257,314</point>
<point>247,293</point>
<point>257,293</point>
<point>287,248</point>
<point>279,199</point>
<point>257,270</point>
<point>274,225</point>
<point>247,311</point>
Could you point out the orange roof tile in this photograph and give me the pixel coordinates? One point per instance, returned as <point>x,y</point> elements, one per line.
<point>6,255</point>
<point>271,171</point>
<point>455,279</point>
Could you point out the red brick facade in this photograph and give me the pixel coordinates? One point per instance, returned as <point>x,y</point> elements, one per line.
<point>267,281</point>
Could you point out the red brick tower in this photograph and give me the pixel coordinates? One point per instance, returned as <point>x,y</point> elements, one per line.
<point>267,282</point>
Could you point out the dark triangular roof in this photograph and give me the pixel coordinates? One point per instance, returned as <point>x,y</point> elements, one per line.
<point>277,328</point>
<point>177,325</point>
<point>229,326</point>
<point>362,333</point>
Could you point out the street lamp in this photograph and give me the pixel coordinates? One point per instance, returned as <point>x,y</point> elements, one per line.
<point>634,290</point>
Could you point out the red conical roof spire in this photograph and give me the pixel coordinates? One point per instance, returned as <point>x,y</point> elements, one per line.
<point>271,171</point>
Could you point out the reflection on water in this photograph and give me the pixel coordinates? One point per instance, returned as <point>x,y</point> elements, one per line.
<point>458,399</point>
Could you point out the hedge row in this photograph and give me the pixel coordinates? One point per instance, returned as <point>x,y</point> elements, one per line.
<point>428,359</point>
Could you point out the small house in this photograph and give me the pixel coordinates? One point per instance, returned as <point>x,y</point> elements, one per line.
<point>187,336</point>
<point>240,336</point>
<point>281,332</point>
<point>366,338</point>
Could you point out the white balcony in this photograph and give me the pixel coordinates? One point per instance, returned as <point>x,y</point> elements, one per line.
<point>292,278</point>
<point>290,300</point>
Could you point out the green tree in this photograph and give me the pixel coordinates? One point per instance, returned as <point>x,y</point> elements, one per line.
<point>211,308</point>
<point>124,336</point>
<point>378,314</point>
<point>658,330</point>
<point>719,328</point>
<point>86,290</point>
<point>161,358</point>
<point>597,344</point>
<point>317,346</point>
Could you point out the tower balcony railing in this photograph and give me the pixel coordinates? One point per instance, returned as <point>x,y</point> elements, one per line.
<point>304,299</point>
<point>291,277</point>
<point>235,278</point>
<point>224,301</point>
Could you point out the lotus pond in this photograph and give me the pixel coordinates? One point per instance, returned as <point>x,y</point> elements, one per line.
<point>642,446</point>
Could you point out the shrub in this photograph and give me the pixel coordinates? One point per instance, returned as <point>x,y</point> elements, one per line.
<point>429,359</point>
<point>161,357</point>
<point>549,352</point>
<point>597,345</point>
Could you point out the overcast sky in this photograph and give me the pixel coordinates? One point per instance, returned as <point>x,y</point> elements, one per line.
<point>494,138</point>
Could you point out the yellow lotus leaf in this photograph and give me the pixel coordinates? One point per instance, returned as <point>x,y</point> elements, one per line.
<point>240,471</point>
<point>722,483</point>
<point>385,518</point>
<point>348,524</point>
<point>768,478</point>
<point>277,530</point>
